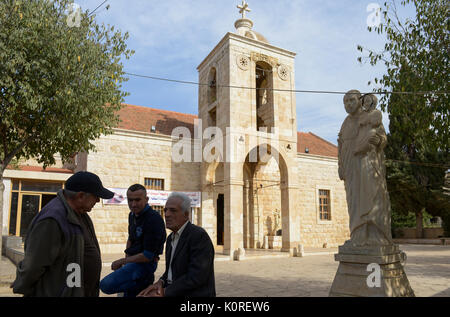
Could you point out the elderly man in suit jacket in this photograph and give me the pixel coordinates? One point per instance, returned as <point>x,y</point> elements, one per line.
<point>189,255</point>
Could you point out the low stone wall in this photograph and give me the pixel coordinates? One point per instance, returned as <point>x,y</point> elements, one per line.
<point>428,233</point>
<point>15,255</point>
<point>440,241</point>
<point>12,248</point>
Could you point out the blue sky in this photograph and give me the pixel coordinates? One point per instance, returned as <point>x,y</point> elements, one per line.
<point>172,37</point>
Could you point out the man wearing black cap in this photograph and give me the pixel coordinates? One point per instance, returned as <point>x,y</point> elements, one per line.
<point>62,255</point>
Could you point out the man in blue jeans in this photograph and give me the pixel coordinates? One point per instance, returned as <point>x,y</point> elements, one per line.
<point>146,237</point>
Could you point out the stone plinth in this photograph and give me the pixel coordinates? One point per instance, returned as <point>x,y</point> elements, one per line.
<point>239,254</point>
<point>272,242</point>
<point>358,273</point>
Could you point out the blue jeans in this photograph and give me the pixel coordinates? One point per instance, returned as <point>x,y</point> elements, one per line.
<point>130,279</point>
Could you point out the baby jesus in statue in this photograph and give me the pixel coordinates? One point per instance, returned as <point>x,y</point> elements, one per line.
<point>370,125</point>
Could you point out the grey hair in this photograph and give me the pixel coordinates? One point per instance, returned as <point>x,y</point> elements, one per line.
<point>185,201</point>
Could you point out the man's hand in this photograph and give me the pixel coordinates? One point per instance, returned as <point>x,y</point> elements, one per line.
<point>155,290</point>
<point>118,264</point>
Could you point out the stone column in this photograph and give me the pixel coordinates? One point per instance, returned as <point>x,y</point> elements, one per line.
<point>290,219</point>
<point>208,215</point>
<point>290,212</point>
<point>234,218</point>
<point>370,271</point>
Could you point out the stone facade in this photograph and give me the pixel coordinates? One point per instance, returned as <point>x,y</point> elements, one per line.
<point>128,157</point>
<point>239,114</point>
<point>125,158</point>
<point>318,172</point>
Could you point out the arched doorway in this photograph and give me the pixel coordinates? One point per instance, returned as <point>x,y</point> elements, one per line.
<point>265,178</point>
<point>235,186</point>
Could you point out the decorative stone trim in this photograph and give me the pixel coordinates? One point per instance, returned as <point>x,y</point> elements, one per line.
<point>243,62</point>
<point>283,72</point>
<point>259,57</point>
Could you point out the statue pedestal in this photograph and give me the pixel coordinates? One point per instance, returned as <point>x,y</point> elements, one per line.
<point>272,242</point>
<point>373,271</point>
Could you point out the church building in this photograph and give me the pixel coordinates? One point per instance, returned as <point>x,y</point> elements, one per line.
<point>255,181</point>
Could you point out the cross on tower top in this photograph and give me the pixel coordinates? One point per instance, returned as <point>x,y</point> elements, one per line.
<point>243,8</point>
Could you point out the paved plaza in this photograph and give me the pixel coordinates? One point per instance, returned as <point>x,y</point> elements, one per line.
<point>275,275</point>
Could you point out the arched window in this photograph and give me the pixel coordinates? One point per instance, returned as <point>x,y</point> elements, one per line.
<point>264,97</point>
<point>212,86</point>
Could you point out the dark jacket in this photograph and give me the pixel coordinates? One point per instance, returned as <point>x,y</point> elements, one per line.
<point>54,240</point>
<point>192,264</point>
<point>146,233</point>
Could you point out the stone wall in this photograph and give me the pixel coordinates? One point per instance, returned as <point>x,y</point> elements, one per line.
<point>428,233</point>
<point>321,173</point>
<point>126,158</point>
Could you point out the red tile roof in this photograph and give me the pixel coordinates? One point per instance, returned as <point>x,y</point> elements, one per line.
<point>315,145</point>
<point>142,119</point>
<point>138,118</point>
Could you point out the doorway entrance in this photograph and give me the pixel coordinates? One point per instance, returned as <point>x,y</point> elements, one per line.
<point>220,218</point>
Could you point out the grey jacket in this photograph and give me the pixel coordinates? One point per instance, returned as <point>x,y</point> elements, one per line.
<point>54,252</point>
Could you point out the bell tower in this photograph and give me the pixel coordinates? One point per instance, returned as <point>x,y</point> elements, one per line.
<point>247,113</point>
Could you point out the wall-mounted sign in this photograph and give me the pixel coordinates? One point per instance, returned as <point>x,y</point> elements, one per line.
<point>156,197</point>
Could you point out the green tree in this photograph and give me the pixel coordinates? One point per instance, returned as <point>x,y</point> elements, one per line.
<point>60,81</point>
<point>416,56</point>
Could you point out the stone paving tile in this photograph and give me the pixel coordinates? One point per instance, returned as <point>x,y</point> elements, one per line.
<point>427,268</point>
<point>7,276</point>
<point>275,277</point>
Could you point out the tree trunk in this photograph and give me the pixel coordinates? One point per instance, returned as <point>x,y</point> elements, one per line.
<point>419,224</point>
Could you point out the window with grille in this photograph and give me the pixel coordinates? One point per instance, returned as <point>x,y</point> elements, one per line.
<point>324,204</point>
<point>159,209</point>
<point>154,183</point>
